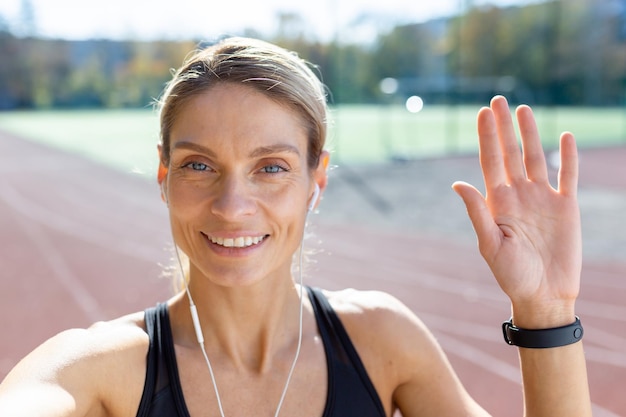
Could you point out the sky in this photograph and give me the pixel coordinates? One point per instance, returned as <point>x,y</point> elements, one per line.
<point>179,19</point>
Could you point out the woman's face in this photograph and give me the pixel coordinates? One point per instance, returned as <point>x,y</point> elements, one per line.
<point>238,185</point>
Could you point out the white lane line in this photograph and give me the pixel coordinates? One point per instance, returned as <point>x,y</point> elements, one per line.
<point>614,358</point>
<point>609,340</point>
<point>491,294</point>
<point>610,355</point>
<point>496,366</point>
<point>601,309</point>
<point>60,269</point>
<point>85,232</point>
<point>405,274</point>
<point>479,358</point>
<point>599,411</point>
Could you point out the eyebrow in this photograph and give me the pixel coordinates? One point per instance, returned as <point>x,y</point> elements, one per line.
<point>193,147</point>
<point>256,153</point>
<point>273,149</point>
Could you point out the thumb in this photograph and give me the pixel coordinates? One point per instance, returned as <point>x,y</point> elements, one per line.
<point>478,212</point>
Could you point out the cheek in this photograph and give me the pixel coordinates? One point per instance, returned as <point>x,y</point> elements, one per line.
<point>292,213</point>
<point>186,216</point>
<point>186,201</point>
<point>288,202</point>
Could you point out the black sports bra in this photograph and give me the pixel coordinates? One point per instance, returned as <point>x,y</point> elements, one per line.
<point>350,390</point>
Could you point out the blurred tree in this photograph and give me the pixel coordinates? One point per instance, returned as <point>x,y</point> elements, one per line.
<point>88,84</point>
<point>563,51</point>
<point>48,66</point>
<point>349,74</point>
<point>136,79</point>
<point>344,69</point>
<point>407,51</point>
<point>8,67</point>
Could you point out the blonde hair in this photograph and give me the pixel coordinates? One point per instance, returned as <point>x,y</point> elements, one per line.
<point>279,74</point>
<point>275,72</point>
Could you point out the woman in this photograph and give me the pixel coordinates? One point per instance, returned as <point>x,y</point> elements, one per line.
<point>241,166</point>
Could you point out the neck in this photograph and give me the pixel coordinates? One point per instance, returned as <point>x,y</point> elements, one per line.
<point>249,326</point>
<point>280,296</point>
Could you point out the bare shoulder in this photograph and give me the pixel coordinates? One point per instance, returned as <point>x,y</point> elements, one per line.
<point>114,340</point>
<point>380,325</point>
<point>403,358</point>
<point>80,371</point>
<point>350,300</point>
<point>378,317</point>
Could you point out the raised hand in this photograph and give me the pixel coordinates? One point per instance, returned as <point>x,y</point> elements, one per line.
<point>528,232</point>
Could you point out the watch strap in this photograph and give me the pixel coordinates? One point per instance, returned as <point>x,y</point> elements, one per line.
<point>542,338</point>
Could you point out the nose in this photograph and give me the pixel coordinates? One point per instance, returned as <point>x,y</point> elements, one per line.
<point>233,199</point>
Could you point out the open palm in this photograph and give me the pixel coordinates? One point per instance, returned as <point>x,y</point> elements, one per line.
<point>528,231</point>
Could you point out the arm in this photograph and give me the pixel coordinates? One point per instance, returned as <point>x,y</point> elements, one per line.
<point>50,381</point>
<point>530,235</point>
<point>428,384</point>
<point>409,369</point>
<point>93,372</point>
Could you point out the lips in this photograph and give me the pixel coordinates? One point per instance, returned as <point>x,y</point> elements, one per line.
<point>236,242</point>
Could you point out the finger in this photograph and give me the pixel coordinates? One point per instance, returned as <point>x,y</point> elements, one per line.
<point>534,157</point>
<point>486,229</point>
<point>568,172</point>
<point>489,150</point>
<point>511,153</point>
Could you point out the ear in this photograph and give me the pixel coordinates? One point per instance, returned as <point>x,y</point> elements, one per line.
<point>320,176</point>
<point>161,175</point>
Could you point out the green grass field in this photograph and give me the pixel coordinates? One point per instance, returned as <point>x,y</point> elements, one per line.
<point>126,139</point>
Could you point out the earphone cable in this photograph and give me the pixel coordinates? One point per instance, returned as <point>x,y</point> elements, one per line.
<point>198,330</point>
<point>295,359</point>
<point>200,336</point>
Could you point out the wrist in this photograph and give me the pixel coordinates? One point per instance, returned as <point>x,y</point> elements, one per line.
<point>544,315</point>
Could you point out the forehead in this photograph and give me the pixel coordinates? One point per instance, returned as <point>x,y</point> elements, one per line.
<point>237,116</point>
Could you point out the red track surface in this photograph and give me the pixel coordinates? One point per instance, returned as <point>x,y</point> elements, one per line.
<point>80,243</point>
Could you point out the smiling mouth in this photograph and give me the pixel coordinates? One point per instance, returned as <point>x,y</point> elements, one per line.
<point>237,242</point>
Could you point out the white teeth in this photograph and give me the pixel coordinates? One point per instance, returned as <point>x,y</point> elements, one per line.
<point>238,242</point>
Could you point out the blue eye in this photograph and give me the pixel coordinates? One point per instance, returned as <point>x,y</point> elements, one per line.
<point>272,169</point>
<point>197,166</point>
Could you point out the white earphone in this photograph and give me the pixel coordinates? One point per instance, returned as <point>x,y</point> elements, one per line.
<point>198,328</point>
<point>316,195</point>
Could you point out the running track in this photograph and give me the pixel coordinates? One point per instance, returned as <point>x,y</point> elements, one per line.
<point>81,243</point>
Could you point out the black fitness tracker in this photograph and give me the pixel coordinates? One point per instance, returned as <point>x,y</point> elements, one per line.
<point>542,338</point>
